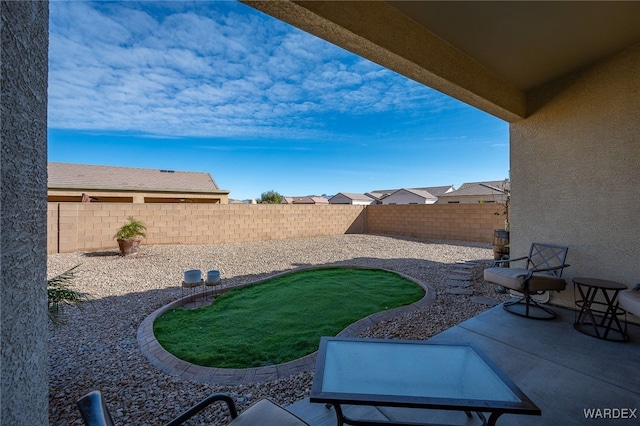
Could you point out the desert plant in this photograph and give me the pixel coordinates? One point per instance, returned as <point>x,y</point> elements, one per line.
<point>133,229</point>
<point>59,295</point>
<point>506,190</point>
<point>505,201</point>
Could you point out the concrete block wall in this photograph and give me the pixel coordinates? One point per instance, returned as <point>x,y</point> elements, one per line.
<point>465,222</point>
<point>90,227</point>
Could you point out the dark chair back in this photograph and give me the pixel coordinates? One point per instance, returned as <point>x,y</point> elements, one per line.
<point>542,256</point>
<point>94,410</point>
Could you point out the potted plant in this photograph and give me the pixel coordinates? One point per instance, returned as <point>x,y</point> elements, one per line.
<point>130,235</point>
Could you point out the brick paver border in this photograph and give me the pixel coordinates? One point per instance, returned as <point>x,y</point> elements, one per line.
<point>170,364</point>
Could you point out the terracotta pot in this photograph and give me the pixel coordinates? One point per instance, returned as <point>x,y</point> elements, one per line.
<point>129,246</point>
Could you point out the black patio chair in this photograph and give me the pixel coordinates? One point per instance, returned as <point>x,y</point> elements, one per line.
<point>542,273</point>
<point>264,412</point>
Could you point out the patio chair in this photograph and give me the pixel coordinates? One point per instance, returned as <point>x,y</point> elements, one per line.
<point>542,273</point>
<point>264,412</point>
<point>629,300</point>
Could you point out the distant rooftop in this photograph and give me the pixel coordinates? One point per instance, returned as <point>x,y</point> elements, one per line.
<point>85,176</point>
<point>356,196</point>
<point>480,188</point>
<point>431,190</point>
<point>305,200</point>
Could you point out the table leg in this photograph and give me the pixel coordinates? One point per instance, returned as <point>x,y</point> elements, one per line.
<point>339,414</point>
<point>602,321</point>
<point>480,416</point>
<point>612,314</point>
<point>585,309</point>
<point>493,418</point>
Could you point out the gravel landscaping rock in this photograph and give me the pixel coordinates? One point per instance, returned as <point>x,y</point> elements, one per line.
<point>97,347</point>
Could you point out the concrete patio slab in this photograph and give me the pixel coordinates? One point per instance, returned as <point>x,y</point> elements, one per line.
<point>566,373</point>
<point>483,300</point>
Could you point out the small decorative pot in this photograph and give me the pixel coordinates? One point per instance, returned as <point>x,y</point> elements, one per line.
<point>213,277</point>
<point>192,276</point>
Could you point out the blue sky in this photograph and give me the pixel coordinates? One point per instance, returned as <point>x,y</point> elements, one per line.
<point>219,87</point>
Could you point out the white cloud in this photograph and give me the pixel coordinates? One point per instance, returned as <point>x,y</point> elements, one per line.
<point>207,69</point>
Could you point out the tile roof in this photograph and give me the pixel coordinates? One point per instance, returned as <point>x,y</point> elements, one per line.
<point>437,190</point>
<point>355,196</point>
<point>305,200</point>
<point>500,184</point>
<point>85,176</point>
<point>434,191</point>
<point>380,194</point>
<point>479,188</point>
<point>422,193</point>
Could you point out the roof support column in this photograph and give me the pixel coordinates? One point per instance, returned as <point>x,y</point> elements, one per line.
<point>24,379</point>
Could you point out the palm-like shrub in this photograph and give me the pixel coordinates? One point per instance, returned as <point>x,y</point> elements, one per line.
<point>133,229</point>
<point>59,294</point>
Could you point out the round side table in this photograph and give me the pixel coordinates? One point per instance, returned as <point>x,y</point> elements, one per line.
<point>599,316</point>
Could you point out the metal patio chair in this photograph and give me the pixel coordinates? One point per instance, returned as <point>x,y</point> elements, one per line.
<point>263,413</point>
<point>542,273</point>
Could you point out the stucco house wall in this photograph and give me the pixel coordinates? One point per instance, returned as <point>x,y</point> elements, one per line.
<point>578,155</point>
<point>471,199</point>
<point>24,380</point>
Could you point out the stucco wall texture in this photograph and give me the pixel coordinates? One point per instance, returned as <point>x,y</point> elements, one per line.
<point>575,171</point>
<point>23,189</point>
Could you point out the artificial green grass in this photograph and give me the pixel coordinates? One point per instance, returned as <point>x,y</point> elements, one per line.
<point>281,319</point>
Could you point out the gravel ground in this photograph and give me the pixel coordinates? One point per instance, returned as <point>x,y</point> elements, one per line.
<point>97,347</point>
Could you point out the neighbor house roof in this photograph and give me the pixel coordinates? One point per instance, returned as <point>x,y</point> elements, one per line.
<point>379,194</point>
<point>438,190</point>
<point>422,193</point>
<point>419,192</point>
<point>355,196</point>
<point>305,200</point>
<point>479,188</point>
<point>432,190</point>
<point>85,177</point>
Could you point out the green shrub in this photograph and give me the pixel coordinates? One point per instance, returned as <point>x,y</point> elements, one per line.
<point>133,229</point>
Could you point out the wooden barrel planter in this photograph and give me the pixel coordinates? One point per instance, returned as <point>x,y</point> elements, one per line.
<point>500,244</point>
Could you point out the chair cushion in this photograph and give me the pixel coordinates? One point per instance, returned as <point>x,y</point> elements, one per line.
<point>544,282</point>
<point>629,300</point>
<point>267,413</point>
<point>513,278</point>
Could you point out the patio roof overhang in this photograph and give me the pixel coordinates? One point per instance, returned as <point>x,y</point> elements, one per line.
<point>486,54</point>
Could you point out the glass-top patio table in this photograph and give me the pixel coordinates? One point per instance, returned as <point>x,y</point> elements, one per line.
<point>415,374</point>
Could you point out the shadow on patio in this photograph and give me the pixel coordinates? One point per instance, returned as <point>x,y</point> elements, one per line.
<point>564,372</point>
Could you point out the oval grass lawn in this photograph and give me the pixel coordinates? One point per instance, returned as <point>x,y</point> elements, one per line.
<point>281,319</point>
